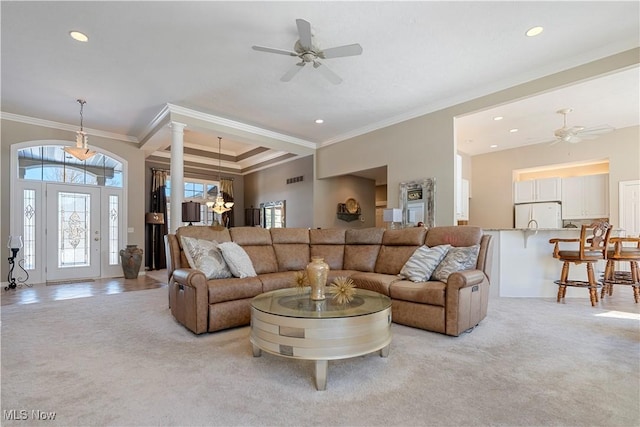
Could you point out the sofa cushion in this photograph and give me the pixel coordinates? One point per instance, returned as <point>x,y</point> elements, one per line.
<point>291,246</point>
<point>364,236</point>
<point>204,255</point>
<point>272,281</point>
<point>329,245</point>
<point>457,259</point>
<point>257,243</point>
<point>237,259</point>
<point>221,290</point>
<point>361,257</point>
<point>454,235</point>
<point>429,292</point>
<point>374,281</point>
<point>421,265</point>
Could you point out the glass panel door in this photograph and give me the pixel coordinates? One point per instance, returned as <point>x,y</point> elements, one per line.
<point>73,232</point>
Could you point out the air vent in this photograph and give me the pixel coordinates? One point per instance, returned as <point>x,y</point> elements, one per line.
<point>295,179</point>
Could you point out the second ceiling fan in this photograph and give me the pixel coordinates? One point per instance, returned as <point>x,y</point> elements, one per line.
<point>308,53</point>
<point>575,134</point>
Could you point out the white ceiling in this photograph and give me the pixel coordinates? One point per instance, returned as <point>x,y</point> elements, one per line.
<point>417,57</point>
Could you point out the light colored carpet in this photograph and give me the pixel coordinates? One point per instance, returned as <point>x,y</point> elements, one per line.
<point>122,360</point>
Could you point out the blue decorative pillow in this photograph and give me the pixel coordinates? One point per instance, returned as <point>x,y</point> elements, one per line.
<point>423,262</point>
<point>457,259</point>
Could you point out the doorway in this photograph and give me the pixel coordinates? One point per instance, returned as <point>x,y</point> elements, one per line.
<point>71,214</point>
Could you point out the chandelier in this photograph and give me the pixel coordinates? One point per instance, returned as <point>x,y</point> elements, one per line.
<point>219,206</point>
<point>81,150</point>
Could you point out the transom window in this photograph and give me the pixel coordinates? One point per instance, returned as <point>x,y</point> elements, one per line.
<point>50,163</point>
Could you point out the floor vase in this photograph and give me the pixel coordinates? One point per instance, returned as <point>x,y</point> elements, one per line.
<point>131,259</point>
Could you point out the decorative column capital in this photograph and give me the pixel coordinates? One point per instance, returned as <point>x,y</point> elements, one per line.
<point>177,126</point>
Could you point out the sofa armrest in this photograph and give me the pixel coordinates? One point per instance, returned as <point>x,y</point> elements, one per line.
<point>189,299</point>
<point>462,279</point>
<point>467,299</point>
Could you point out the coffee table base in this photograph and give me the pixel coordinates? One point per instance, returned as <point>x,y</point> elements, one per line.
<point>321,367</point>
<point>321,339</point>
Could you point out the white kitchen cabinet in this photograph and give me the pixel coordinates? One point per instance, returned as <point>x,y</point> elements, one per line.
<point>537,190</point>
<point>585,197</point>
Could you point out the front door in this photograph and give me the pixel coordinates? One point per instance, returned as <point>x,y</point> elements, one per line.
<point>73,232</point>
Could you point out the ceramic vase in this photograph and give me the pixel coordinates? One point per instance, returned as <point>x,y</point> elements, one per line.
<point>317,271</point>
<point>131,259</point>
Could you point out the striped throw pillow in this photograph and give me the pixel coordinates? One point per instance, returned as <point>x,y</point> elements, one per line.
<point>457,259</point>
<point>423,262</point>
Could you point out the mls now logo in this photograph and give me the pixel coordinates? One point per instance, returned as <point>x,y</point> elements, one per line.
<point>23,414</point>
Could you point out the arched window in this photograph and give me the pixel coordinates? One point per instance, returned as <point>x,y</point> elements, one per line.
<point>51,164</point>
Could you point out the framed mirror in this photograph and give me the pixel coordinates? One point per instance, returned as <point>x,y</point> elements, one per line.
<point>417,201</point>
<point>272,214</point>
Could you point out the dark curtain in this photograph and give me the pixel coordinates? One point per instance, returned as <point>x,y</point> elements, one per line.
<point>156,256</point>
<point>226,186</point>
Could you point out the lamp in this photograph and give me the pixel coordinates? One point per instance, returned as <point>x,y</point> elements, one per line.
<point>154,218</point>
<point>14,244</point>
<point>81,150</point>
<point>394,216</point>
<point>190,212</point>
<point>219,206</point>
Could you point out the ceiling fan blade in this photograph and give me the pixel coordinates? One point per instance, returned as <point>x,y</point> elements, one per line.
<point>274,50</point>
<point>292,72</point>
<point>596,130</point>
<point>336,52</point>
<point>330,75</point>
<point>574,140</point>
<point>304,32</point>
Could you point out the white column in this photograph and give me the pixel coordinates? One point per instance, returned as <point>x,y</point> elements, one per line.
<point>177,174</point>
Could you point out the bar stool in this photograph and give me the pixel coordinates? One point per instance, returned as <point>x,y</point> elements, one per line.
<point>592,248</point>
<point>621,253</point>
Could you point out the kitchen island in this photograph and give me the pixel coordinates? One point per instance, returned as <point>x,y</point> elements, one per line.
<point>523,264</point>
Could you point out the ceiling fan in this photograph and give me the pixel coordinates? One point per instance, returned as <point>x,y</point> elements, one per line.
<point>575,134</point>
<point>308,53</point>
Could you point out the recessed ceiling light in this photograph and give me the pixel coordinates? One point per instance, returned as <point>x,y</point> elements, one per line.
<point>493,146</point>
<point>77,35</point>
<point>496,118</point>
<point>514,130</point>
<point>532,32</point>
<point>319,121</point>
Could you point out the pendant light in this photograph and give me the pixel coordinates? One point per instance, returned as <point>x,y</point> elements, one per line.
<point>81,150</point>
<point>219,206</point>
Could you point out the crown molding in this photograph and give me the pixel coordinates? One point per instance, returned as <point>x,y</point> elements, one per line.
<point>62,126</point>
<point>210,118</point>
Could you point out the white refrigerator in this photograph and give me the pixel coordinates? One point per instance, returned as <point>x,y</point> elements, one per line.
<point>539,215</point>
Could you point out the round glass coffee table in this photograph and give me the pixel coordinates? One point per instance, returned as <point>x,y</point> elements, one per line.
<point>286,322</point>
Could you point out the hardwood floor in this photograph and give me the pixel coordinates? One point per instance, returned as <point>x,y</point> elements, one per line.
<point>61,291</point>
<point>621,300</point>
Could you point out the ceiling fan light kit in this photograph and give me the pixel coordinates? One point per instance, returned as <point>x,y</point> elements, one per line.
<point>575,134</point>
<point>308,53</point>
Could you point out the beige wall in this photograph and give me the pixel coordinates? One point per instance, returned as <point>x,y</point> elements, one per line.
<point>270,185</point>
<point>411,150</point>
<point>425,146</point>
<point>492,203</point>
<point>14,132</point>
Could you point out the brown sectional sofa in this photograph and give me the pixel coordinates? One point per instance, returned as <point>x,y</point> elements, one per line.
<point>372,257</point>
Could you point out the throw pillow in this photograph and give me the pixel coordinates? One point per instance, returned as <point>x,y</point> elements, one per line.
<point>457,259</point>
<point>423,262</point>
<point>204,255</point>
<point>237,259</point>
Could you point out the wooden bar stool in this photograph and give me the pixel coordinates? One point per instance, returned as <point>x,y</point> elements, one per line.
<point>592,248</point>
<point>621,253</point>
